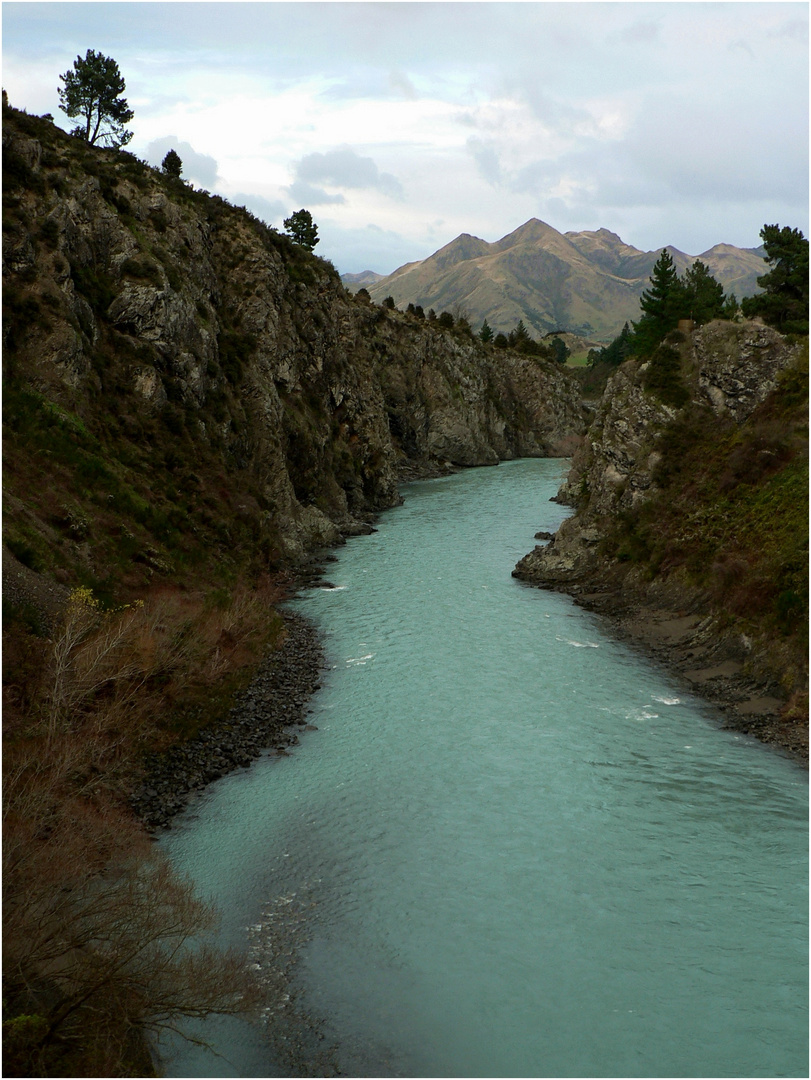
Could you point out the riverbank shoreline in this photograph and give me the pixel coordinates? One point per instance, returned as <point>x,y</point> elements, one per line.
<point>266,718</point>
<point>684,639</point>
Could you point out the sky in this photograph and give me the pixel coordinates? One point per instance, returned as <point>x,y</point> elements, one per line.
<point>401,125</point>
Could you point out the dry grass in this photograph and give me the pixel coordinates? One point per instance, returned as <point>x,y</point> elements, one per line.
<point>98,930</point>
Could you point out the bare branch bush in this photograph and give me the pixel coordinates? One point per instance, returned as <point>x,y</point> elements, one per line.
<point>111,949</point>
<point>102,940</point>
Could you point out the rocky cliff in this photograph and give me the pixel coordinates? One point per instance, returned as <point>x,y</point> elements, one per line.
<point>196,379</point>
<point>691,520</point>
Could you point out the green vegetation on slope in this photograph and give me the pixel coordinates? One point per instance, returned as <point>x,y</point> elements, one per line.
<point>731,516</point>
<point>150,494</point>
<point>784,300</point>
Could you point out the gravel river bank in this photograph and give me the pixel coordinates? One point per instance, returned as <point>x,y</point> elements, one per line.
<point>265,718</point>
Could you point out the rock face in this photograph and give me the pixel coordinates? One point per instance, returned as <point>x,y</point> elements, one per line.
<point>730,367</point>
<point>738,369</point>
<point>689,614</point>
<point>123,282</point>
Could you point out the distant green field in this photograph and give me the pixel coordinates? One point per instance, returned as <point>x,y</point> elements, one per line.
<point>577,360</point>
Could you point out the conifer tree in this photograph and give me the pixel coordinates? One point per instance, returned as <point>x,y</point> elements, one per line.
<point>172,164</point>
<point>486,332</point>
<point>519,336</point>
<point>784,300</point>
<point>660,305</point>
<point>302,229</point>
<point>560,350</point>
<point>93,91</point>
<point>703,297</point>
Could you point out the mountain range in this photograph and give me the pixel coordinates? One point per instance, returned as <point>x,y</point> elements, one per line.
<point>588,283</point>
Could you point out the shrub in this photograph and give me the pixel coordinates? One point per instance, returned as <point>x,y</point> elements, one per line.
<point>23,551</point>
<point>49,233</point>
<point>159,220</point>
<point>235,350</point>
<point>99,932</point>
<point>144,268</point>
<point>663,377</point>
<point>95,285</point>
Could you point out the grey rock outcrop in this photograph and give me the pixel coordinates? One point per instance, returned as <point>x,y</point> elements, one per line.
<point>670,499</point>
<point>323,397</point>
<point>729,367</point>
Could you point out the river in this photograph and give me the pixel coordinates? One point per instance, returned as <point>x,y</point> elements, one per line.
<point>514,846</point>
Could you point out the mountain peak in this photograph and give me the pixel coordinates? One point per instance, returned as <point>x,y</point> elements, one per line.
<point>534,229</point>
<point>604,236</point>
<point>730,249</point>
<point>587,282</point>
<point>462,248</point>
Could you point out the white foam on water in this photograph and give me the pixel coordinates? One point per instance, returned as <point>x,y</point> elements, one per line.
<point>640,715</point>
<point>578,644</point>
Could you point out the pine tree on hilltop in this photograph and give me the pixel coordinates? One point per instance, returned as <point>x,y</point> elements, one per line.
<point>703,298</point>
<point>784,300</point>
<point>302,229</point>
<point>172,165</point>
<point>519,336</point>
<point>93,91</point>
<point>486,332</point>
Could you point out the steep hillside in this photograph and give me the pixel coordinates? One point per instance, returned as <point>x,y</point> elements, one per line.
<point>204,389</point>
<point>588,283</point>
<point>692,519</point>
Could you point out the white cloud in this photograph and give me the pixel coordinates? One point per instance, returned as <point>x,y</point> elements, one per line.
<point>301,191</point>
<point>200,168</point>
<point>344,168</point>
<point>667,123</point>
<point>271,211</point>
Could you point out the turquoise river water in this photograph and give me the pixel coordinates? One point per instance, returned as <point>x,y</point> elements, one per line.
<point>514,846</point>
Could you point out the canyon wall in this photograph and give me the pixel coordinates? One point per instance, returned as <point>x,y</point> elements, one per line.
<point>189,339</point>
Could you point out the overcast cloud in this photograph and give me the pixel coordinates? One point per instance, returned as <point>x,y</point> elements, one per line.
<point>402,125</point>
<point>200,169</point>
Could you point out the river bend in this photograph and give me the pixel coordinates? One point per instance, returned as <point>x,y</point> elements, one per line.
<point>514,846</point>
